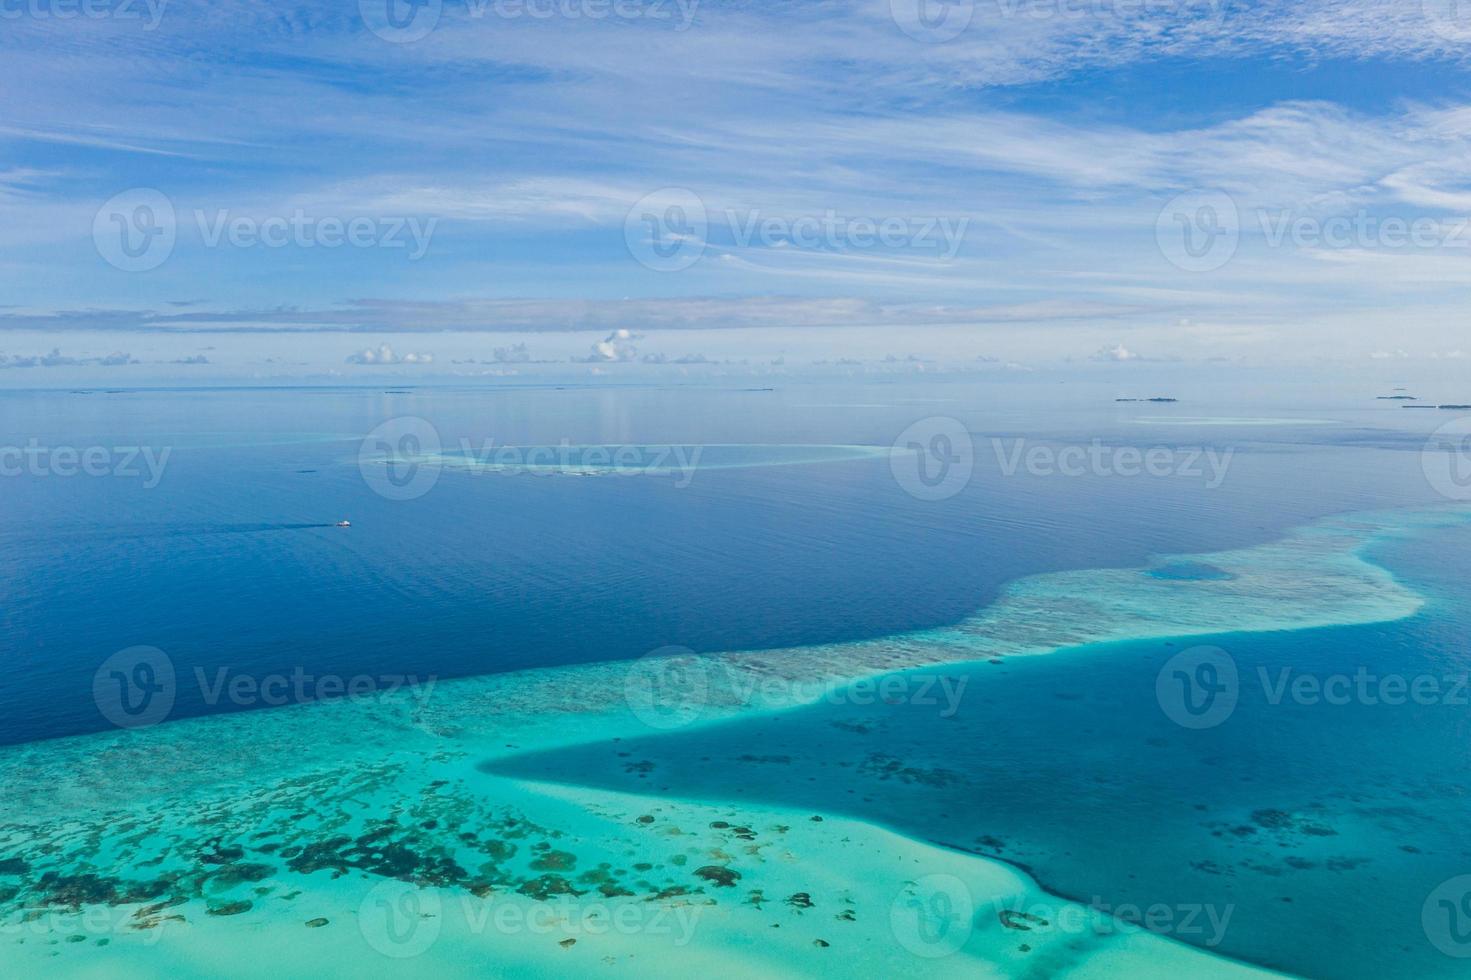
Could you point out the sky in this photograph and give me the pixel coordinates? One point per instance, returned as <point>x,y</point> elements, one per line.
<point>222,192</point>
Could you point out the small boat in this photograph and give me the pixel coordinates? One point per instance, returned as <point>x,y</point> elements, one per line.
<point>343,524</point>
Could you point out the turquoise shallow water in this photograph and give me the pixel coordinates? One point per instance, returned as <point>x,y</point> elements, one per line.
<point>265,824</point>
<point>1316,825</point>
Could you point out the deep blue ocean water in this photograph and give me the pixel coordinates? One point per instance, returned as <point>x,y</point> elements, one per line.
<point>1323,828</point>
<point>228,563</point>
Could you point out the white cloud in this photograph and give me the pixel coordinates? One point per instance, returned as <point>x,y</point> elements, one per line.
<point>617,346</point>
<point>1116,353</point>
<point>511,354</point>
<point>384,354</point>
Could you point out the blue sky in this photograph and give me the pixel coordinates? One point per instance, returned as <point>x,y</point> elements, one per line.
<point>199,192</point>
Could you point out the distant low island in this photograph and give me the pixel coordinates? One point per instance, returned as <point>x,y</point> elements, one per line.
<point>1146,399</point>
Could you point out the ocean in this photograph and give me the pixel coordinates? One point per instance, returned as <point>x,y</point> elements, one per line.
<point>196,573</point>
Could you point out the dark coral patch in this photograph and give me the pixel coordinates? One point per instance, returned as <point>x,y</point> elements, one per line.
<point>721,877</point>
<point>545,886</point>
<point>555,861</point>
<point>230,908</point>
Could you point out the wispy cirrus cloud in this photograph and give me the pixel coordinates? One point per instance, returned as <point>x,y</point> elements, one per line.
<point>532,139</point>
<point>563,316</point>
